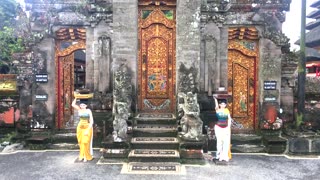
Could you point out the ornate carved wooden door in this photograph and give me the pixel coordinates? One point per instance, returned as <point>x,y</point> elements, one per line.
<point>65,84</point>
<point>242,82</point>
<point>65,88</point>
<point>156,66</point>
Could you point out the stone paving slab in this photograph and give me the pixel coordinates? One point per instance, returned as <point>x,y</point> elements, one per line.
<point>153,168</point>
<point>52,165</point>
<point>154,140</point>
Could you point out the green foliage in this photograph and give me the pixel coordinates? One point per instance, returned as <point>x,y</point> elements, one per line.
<point>7,12</point>
<point>299,120</point>
<point>9,137</point>
<point>9,42</point>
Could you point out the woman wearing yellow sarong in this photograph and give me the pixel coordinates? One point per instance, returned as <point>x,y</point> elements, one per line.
<point>84,131</point>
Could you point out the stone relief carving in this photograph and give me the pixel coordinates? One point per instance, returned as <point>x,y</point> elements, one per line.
<point>272,28</point>
<point>122,94</point>
<point>40,64</point>
<point>211,55</point>
<point>101,100</point>
<point>104,45</point>
<point>213,17</point>
<point>187,79</point>
<point>236,18</point>
<point>215,5</point>
<point>214,11</point>
<point>100,11</point>
<point>289,65</point>
<point>71,18</point>
<point>191,124</point>
<point>122,85</point>
<point>104,62</point>
<point>164,105</point>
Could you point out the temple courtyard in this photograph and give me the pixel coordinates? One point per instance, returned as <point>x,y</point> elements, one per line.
<point>54,164</point>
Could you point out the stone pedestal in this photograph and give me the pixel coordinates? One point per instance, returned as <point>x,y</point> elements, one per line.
<point>192,151</point>
<point>113,149</point>
<point>304,145</point>
<point>275,144</point>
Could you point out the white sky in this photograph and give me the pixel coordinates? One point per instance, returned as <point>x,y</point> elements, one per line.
<point>292,26</point>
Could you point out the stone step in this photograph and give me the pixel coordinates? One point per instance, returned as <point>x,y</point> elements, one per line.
<point>156,116</point>
<point>154,155</point>
<point>275,144</point>
<point>164,118</point>
<point>114,153</point>
<point>155,121</point>
<point>155,143</point>
<point>63,146</point>
<point>247,148</point>
<point>152,168</point>
<point>70,137</point>
<point>66,130</point>
<point>242,143</point>
<point>109,143</point>
<point>152,130</point>
<point>37,142</point>
<point>246,139</point>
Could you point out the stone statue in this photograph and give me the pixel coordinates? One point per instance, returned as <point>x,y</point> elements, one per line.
<point>190,122</point>
<point>120,125</point>
<point>121,102</point>
<point>187,79</point>
<point>122,86</point>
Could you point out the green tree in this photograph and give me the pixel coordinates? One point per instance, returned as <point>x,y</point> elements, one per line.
<point>7,12</point>
<point>9,42</point>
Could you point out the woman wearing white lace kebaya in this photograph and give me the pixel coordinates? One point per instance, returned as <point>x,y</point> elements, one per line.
<point>222,130</point>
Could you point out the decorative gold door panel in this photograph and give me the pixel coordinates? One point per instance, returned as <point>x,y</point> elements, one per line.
<point>156,59</point>
<point>242,82</point>
<point>66,89</point>
<point>65,84</point>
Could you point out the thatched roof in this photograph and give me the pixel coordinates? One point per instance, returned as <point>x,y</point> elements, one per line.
<point>315,4</point>
<point>314,14</point>
<point>312,54</point>
<point>313,24</point>
<point>312,38</point>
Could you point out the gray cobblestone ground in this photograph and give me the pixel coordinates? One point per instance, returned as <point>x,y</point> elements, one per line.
<point>49,165</point>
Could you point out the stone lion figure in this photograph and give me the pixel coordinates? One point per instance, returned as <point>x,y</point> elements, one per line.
<point>191,124</point>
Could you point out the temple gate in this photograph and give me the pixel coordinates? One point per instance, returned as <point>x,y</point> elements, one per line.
<point>157,41</point>
<point>68,41</point>
<point>243,57</point>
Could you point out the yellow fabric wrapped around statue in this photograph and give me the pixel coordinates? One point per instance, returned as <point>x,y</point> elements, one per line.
<point>84,136</point>
<point>84,131</point>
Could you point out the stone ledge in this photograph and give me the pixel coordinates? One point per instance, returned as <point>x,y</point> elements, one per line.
<point>304,145</point>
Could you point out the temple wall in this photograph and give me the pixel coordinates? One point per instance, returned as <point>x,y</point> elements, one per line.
<point>125,35</point>
<point>44,110</point>
<point>99,43</point>
<point>201,47</point>
<point>210,58</point>
<point>269,70</point>
<point>188,41</point>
